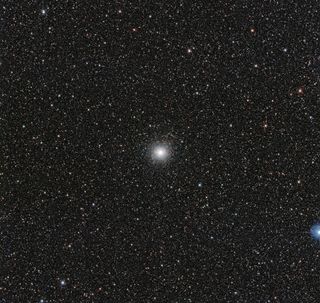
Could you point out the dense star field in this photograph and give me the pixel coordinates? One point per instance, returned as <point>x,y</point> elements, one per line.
<point>159,151</point>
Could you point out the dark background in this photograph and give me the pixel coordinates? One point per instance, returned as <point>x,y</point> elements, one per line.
<point>87,87</point>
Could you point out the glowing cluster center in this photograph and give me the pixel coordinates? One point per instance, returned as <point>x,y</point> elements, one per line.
<point>160,152</point>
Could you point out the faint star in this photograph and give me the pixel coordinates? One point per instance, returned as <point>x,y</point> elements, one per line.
<point>300,91</point>
<point>265,124</point>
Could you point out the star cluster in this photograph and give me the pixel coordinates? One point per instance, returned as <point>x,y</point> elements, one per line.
<point>159,151</point>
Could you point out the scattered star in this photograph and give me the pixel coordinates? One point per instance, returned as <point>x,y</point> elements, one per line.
<point>300,91</point>
<point>43,11</point>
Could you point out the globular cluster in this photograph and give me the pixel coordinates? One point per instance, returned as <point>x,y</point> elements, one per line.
<point>159,151</point>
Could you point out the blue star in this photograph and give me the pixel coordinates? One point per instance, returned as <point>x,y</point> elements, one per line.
<point>315,231</point>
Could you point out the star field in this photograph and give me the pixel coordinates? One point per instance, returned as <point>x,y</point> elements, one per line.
<point>159,151</point>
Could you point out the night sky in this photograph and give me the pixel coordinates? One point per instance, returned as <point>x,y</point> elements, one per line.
<point>159,151</point>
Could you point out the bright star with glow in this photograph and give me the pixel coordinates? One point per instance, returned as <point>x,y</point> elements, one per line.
<point>160,152</point>
<point>315,231</point>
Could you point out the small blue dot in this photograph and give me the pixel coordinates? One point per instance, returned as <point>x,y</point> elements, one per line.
<point>315,231</point>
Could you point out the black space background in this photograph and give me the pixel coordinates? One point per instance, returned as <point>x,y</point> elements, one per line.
<point>89,86</point>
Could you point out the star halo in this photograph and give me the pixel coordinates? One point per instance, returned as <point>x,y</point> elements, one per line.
<point>315,231</point>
